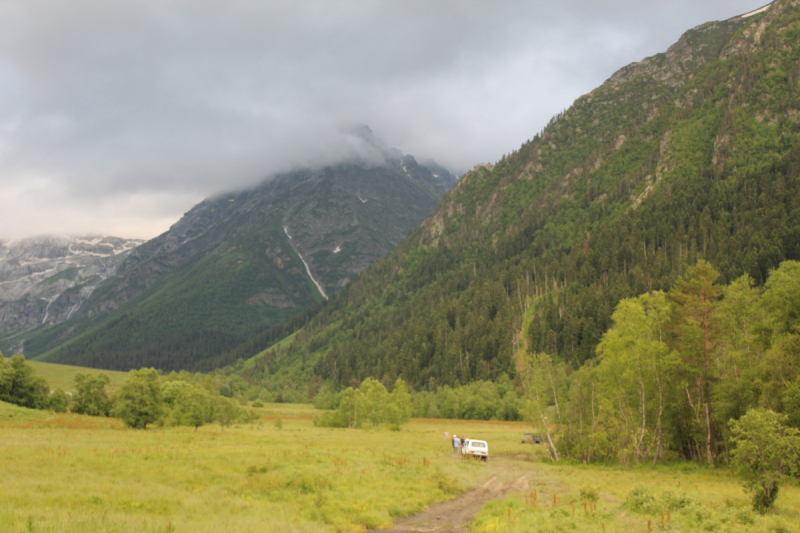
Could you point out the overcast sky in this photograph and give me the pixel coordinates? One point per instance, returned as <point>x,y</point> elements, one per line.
<point>116,117</point>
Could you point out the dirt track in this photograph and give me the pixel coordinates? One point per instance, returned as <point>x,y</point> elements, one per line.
<point>509,476</point>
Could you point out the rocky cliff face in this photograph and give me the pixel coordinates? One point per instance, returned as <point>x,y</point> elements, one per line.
<point>45,280</point>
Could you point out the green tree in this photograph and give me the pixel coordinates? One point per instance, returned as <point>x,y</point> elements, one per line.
<point>371,403</point>
<point>740,351</point>
<point>59,401</point>
<point>781,366</point>
<point>781,298</point>
<point>346,415</point>
<point>765,452</point>
<point>696,297</point>
<point>227,411</point>
<point>90,394</point>
<point>138,401</point>
<point>539,376</point>
<point>186,404</point>
<point>791,403</point>
<point>6,378</point>
<point>637,366</point>
<point>20,385</point>
<point>374,399</point>
<point>399,405</point>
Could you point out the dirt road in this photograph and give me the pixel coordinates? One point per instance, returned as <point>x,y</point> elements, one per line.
<point>453,516</point>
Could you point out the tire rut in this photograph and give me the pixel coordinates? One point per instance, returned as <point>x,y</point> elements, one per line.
<point>454,515</point>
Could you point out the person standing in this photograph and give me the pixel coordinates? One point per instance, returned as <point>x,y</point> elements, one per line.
<point>456,443</point>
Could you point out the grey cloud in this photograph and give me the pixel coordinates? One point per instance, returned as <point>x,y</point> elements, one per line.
<point>134,110</point>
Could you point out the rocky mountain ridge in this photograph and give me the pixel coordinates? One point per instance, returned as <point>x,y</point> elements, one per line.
<point>46,279</point>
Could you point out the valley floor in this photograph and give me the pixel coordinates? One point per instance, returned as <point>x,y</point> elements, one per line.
<point>70,473</point>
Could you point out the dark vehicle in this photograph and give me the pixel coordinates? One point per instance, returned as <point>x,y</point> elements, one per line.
<point>533,439</point>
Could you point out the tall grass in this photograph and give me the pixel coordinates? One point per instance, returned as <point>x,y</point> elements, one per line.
<point>72,473</point>
<point>612,499</point>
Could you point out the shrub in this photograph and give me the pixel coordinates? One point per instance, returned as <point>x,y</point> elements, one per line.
<point>59,401</point>
<point>138,402</point>
<point>765,452</point>
<point>90,394</point>
<point>589,493</point>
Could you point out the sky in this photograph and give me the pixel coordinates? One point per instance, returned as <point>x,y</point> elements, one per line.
<point>117,117</point>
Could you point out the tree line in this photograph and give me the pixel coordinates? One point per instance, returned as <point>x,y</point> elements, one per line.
<point>680,374</point>
<point>369,404</point>
<point>145,397</point>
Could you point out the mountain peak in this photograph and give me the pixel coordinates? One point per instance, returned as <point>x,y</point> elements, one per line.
<point>368,146</point>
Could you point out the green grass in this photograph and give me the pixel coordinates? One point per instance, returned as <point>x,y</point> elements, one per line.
<point>62,376</point>
<point>69,473</point>
<point>10,414</point>
<point>666,498</point>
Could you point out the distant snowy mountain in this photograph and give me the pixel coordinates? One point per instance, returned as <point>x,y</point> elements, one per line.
<point>44,280</point>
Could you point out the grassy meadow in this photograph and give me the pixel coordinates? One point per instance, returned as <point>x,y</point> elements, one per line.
<point>72,473</point>
<point>680,498</point>
<point>63,376</point>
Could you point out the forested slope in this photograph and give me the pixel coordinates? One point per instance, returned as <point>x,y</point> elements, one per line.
<point>691,154</point>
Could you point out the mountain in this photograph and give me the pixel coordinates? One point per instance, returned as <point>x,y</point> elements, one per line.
<point>689,154</point>
<point>44,280</point>
<point>242,261</point>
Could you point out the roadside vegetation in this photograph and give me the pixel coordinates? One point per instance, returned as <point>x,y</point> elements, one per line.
<point>675,497</point>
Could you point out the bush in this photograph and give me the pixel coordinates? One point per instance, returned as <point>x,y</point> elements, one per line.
<point>186,404</point>
<point>589,493</point>
<point>765,452</point>
<point>643,501</point>
<point>90,394</point>
<point>59,401</point>
<point>138,402</point>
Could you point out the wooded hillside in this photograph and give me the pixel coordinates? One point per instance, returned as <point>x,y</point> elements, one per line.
<point>688,155</point>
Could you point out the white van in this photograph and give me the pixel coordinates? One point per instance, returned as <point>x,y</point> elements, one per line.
<point>476,448</point>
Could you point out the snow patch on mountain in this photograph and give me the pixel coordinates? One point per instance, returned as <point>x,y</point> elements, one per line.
<point>757,11</point>
<point>45,280</point>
